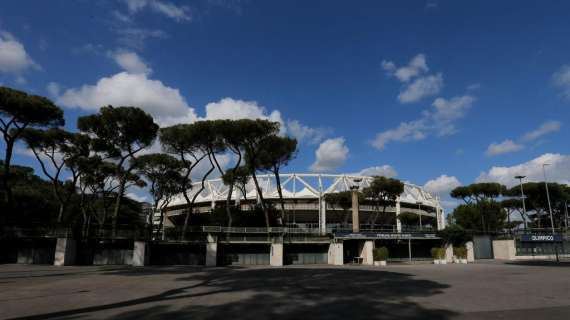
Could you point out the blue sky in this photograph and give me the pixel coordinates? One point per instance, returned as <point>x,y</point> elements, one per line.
<point>438,93</point>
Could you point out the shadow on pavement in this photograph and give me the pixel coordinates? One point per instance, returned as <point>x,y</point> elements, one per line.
<point>540,263</point>
<point>273,293</point>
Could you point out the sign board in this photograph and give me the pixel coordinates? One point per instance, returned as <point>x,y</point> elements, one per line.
<point>541,238</point>
<point>384,235</point>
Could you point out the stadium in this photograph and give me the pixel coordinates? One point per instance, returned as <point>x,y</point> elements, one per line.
<point>313,230</point>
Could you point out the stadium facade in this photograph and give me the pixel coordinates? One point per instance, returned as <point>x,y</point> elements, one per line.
<point>313,230</point>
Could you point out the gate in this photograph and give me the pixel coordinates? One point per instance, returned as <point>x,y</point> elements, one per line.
<point>483,247</point>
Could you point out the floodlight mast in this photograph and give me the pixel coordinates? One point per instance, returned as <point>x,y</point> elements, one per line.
<point>523,201</point>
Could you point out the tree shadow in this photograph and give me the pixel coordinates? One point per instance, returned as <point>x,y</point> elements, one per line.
<point>276,293</point>
<point>540,263</point>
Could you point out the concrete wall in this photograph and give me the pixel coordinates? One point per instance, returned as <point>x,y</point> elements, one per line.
<point>504,249</point>
<point>65,252</point>
<point>140,254</point>
<point>470,251</point>
<point>366,248</point>
<point>336,254</point>
<point>276,254</point>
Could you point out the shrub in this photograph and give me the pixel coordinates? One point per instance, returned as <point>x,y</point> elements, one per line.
<point>460,252</point>
<point>380,254</point>
<point>438,253</point>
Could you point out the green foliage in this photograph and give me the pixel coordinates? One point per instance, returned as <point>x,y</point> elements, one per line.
<point>460,252</point>
<point>438,253</point>
<point>380,254</point>
<point>536,200</point>
<point>342,199</point>
<point>453,234</point>
<point>487,215</point>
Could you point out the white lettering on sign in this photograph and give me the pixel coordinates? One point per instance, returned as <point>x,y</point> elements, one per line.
<point>543,238</point>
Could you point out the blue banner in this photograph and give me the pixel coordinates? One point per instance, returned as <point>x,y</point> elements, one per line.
<point>542,238</point>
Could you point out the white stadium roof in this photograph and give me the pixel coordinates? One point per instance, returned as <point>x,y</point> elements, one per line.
<point>298,186</point>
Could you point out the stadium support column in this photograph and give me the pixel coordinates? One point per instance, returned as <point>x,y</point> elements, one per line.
<point>322,215</point>
<point>398,222</point>
<point>355,213</point>
<point>65,252</point>
<point>276,254</point>
<point>211,250</point>
<point>336,253</point>
<point>140,254</point>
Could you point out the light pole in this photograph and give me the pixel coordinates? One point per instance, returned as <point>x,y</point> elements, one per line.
<point>548,196</point>
<point>355,213</point>
<point>523,202</point>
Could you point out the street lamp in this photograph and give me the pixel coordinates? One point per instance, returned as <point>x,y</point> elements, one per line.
<point>522,197</point>
<point>548,195</point>
<point>355,214</point>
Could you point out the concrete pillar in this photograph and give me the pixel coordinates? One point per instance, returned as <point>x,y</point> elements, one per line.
<point>470,251</point>
<point>355,213</point>
<point>398,222</point>
<point>322,216</point>
<point>366,248</point>
<point>276,254</point>
<point>65,252</point>
<point>449,253</point>
<point>141,254</point>
<point>504,249</point>
<point>439,218</point>
<point>336,254</point>
<point>211,250</point>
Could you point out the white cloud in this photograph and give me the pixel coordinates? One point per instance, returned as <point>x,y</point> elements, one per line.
<point>506,146</point>
<point>384,171</point>
<point>406,131</point>
<point>53,89</point>
<point>421,87</point>
<point>136,37</point>
<point>442,185</point>
<point>545,128</point>
<point>130,62</point>
<point>304,133</point>
<point>439,121</point>
<point>229,108</point>
<point>331,154</point>
<point>164,103</point>
<point>14,58</point>
<point>562,80</point>
<point>415,67</point>
<point>178,13</point>
<point>557,171</point>
<point>447,111</point>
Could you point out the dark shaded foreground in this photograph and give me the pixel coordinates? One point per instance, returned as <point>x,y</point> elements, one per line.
<point>267,293</point>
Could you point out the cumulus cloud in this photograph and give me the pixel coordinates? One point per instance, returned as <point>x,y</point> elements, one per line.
<point>423,84</point>
<point>164,103</point>
<point>130,62</point>
<point>561,80</point>
<point>509,145</point>
<point>421,87</point>
<point>307,134</point>
<point>53,89</point>
<point>168,9</point>
<point>415,67</point>
<point>557,171</point>
<point>14,58</point>
<point>229,108</point>
<point>442,185</point>
<point>545,128</point>
<point>331,154</point>
<point>406,131</point>
<point>385,171</point>
<point>440,120</point>
<point>506,146</point>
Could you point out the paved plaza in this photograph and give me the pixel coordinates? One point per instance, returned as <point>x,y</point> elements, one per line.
<point>488,290</point>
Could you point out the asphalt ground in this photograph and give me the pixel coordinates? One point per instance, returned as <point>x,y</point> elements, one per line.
<point>484,290</point>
